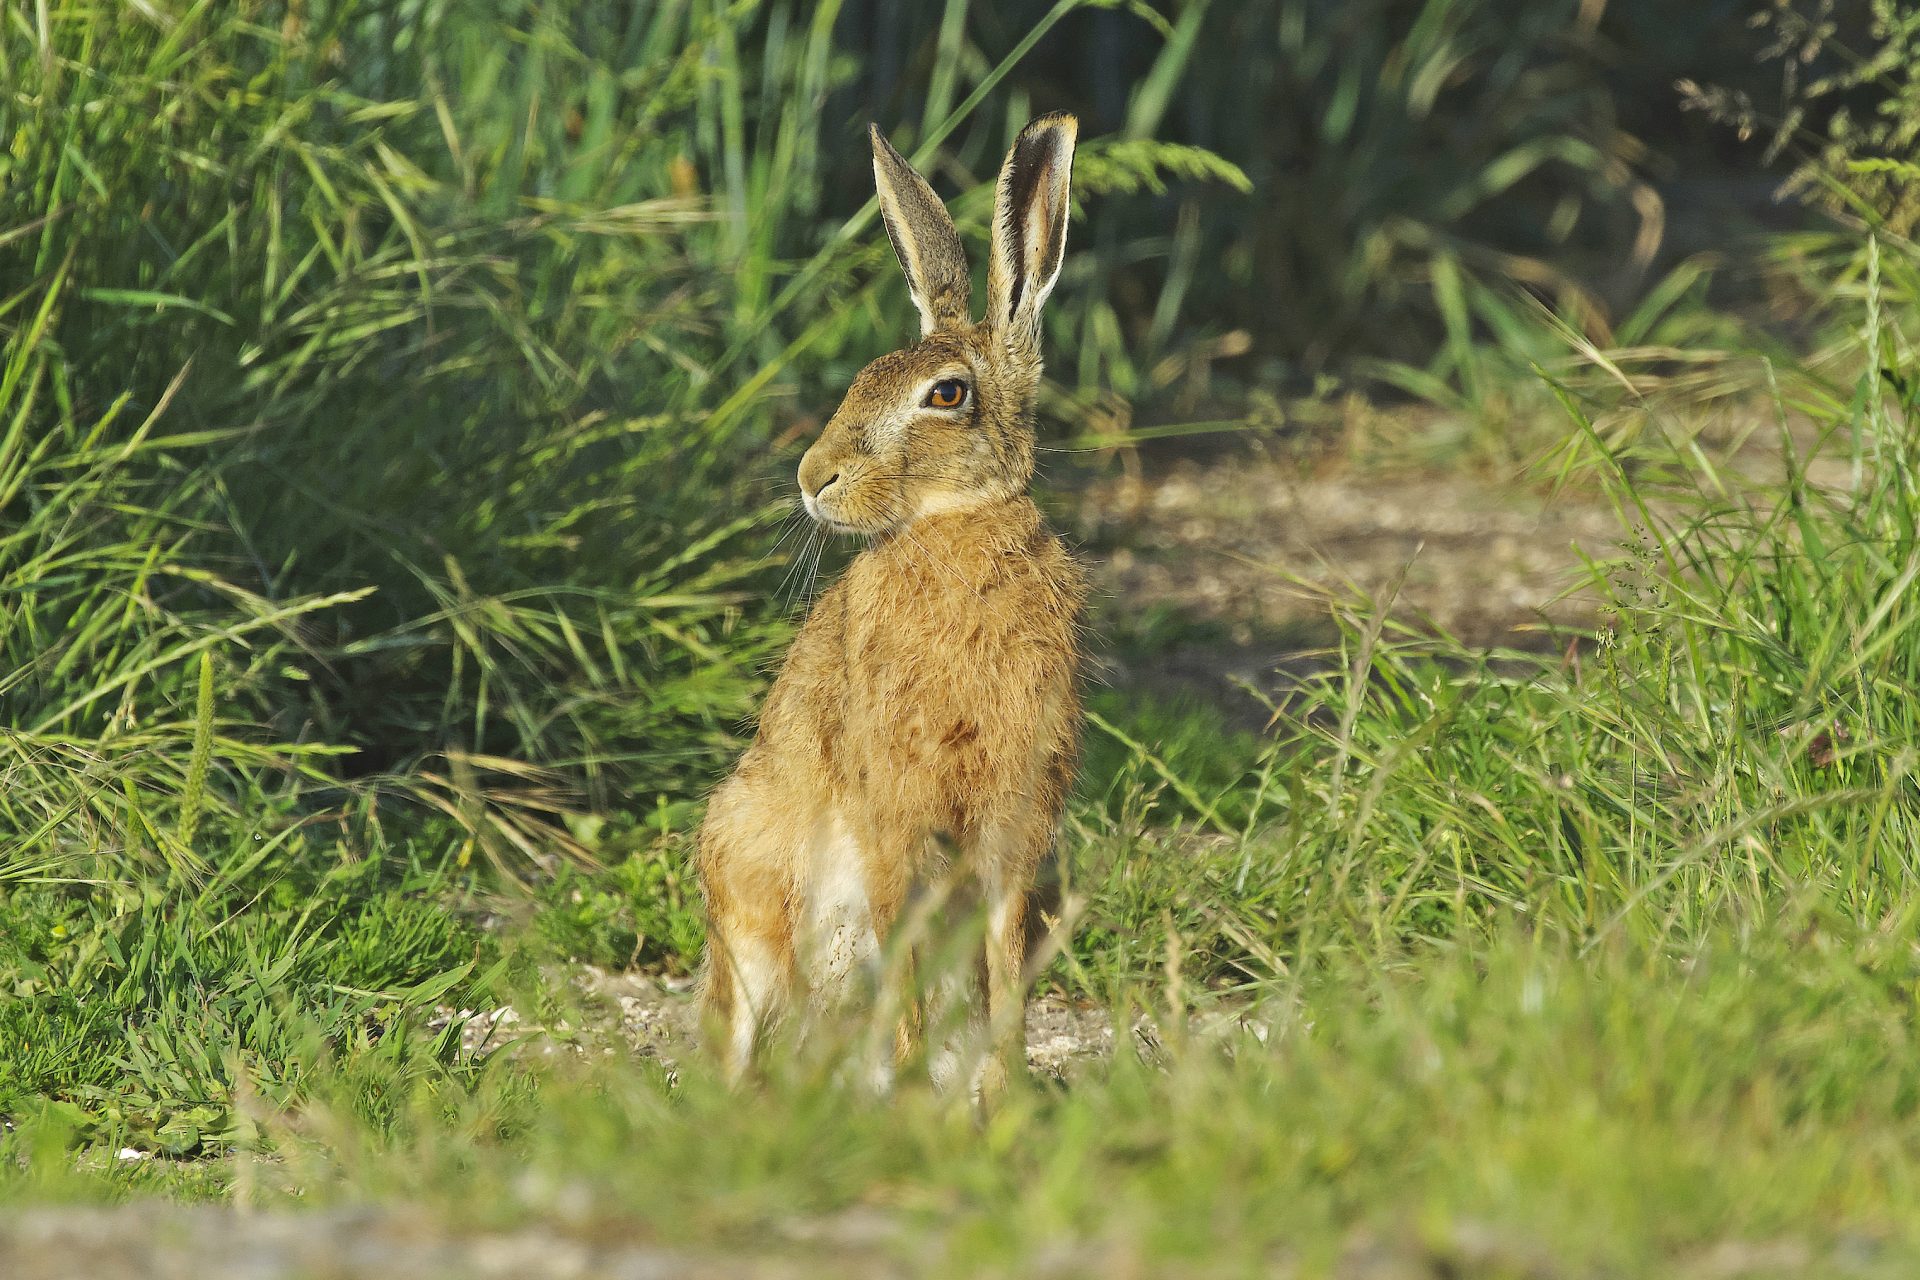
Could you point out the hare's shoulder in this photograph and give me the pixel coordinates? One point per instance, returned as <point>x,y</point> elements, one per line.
<point>1046,586</point>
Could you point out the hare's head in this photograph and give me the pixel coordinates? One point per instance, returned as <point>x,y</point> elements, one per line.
<point>947,423</point>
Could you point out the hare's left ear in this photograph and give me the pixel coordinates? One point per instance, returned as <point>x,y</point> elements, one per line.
<point>924,240</point>
<point>1030,226</point>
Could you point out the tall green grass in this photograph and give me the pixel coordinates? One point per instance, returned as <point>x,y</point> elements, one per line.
<point>1733,750</point>
<point>116,623</point>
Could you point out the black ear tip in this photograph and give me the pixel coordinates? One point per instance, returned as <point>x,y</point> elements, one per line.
<point>1053,122</point>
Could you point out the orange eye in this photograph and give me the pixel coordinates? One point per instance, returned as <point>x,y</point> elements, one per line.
<point>948,393</point>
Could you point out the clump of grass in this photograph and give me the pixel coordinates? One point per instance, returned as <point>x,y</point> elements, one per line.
<point>113,753</point>
<point>140,1015</point>
<point>642,911</point>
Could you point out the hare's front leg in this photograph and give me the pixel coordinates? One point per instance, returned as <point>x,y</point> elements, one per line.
<point>748,977</point>
<point>840,942</point>
<point>1010,859</point>
<point>749,854</point>
<point>857,889</point>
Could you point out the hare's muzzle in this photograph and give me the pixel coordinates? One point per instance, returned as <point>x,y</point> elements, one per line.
<point>812,500</point>
<point>818,475</point>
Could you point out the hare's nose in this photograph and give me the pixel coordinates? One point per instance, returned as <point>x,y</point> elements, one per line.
<point>811,501</point>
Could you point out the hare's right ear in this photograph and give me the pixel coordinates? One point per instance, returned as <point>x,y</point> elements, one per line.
<point>1030,226</point>
<point>924,240</point>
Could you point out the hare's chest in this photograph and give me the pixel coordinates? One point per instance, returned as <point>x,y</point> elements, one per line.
<point>918,679</point>
<point>921,653</point>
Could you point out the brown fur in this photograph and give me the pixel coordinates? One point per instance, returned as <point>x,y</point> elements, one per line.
<point>927,716</point>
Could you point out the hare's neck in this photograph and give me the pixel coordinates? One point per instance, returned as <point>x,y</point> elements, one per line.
<point>964,547</point>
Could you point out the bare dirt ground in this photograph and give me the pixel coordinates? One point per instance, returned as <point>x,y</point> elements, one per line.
<point>1260,545</point>
<point>154,1241</point>
<point>1253,554</point>
<point>169,1242</point>
<point>657,1018</point>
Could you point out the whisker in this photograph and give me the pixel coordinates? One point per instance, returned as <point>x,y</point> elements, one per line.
<point>813,575</point>
<point>812,572</point>
<point>789,526</point>
<point>792,575</point>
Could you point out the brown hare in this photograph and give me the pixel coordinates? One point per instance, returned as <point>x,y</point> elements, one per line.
<point>925,726</point>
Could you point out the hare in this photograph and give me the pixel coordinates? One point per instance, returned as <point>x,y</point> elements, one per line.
<point>925,725</point>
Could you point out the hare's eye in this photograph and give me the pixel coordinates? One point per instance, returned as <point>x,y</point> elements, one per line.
<point>948,393</point>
